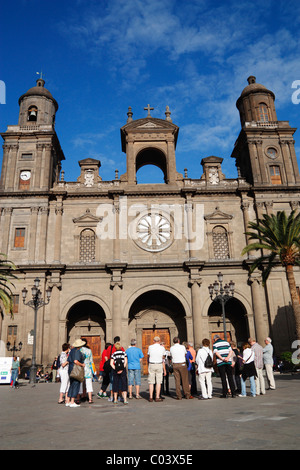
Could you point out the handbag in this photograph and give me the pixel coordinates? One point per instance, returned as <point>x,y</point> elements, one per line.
<point>77,373</point>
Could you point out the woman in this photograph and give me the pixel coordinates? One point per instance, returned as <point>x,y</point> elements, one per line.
<point>204,372</point>
<point>75,357</point>
<point>88,370</point>
<point>64,373</point>
<point>15,371</point>
<point>105,375</point>
<point>236,367</point>
<point>118,363</point>
<point>248,370</point>
<point>189,360</point>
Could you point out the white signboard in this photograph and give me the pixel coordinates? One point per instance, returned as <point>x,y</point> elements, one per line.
<point>5,366</point>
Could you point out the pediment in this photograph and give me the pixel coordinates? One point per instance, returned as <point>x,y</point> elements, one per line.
<point>87,218</point>
<point>217,215</point>
<point>148,124</point>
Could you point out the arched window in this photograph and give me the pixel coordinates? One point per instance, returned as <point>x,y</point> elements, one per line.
<point>220,242</point>
<point>263,112</point>
<point>275,174</point>
<point>32,114</point>
<point>87,246</point>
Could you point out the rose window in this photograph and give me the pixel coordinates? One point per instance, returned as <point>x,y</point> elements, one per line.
<point>154,232</point>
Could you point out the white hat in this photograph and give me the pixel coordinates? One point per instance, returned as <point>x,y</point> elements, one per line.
<point>78,343</point>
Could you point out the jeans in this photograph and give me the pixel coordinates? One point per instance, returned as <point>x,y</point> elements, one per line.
<point>134,376</point>
<point>14,376</point>
<point>252,386</point>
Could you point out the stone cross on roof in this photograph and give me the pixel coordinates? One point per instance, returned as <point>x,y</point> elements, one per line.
<point>148,109</point>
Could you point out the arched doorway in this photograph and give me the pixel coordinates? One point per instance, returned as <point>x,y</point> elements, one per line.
<point>236,320</point>
<point>86,319</point>
<point>156,313</point>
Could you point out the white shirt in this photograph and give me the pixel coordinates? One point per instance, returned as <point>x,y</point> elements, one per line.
<point>178,353</point>
<point>156,353</point>
<point>248,355</point>
<point>201,358</point>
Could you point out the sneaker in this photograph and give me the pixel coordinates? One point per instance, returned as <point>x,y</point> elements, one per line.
<point>99,395</point>
<point>110,399</point>
<point>125,402</point>
<point>74,405</point>
<point>242,396</point>
<point>67,404</point>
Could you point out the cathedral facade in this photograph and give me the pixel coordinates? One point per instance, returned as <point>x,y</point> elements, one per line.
<point>137,260</point>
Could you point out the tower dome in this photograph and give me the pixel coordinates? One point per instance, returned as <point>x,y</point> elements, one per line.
<point>37,105</point>
<point>256,103</point>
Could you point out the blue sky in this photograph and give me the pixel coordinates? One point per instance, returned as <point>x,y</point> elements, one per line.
<point>99,57</point>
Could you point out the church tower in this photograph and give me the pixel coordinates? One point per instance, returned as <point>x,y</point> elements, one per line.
<point>32,153</point>
<point>264,150</point>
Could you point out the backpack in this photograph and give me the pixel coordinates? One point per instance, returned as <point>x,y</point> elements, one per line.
<point>208,363</point>
<point>119,362</point>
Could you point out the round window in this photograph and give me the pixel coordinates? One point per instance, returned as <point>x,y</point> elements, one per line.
<point>154,232</point>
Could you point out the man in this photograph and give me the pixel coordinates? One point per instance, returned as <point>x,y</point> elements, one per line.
<point>223,353</point>
<point>180,371</point>
<point>156,368</point>
<point>259,365</point>
<point>268,363</point>
<point>134,357</point>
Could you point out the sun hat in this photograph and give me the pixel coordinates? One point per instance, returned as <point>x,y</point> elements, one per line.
<point>78,343</point>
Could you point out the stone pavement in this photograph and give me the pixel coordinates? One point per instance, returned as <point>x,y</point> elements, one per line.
<point>32,419</point>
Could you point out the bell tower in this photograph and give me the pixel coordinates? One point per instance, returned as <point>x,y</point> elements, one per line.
<point>264,151</point>
<point>32,154</point>
<point>150,141</point>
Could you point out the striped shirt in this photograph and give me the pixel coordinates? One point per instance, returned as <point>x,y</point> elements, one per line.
<point>223,348</point>
<point>258,359</point>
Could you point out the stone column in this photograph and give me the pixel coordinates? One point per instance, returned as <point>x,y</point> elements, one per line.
<point>46,167</point>
<point>259,308</point>
<point>269,207</point>
<point>3,180</point>
<point>5,223</point>
<point>43,234</point>
<point>54,347</point>
<point>291,145</point>
<point>38,168</point>
<point>58,226</point>
<point>195,284</point>
<point>116,287</point>
<point>33,228</point>
<point>11,174</point>
<point>116,242</point>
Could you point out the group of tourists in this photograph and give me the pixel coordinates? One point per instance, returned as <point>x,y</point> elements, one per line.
<point>120,370</point>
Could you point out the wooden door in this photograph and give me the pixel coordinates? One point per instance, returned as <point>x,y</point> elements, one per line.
<point>147,339</point>
<point>94,342</point>
<point>221,334</point>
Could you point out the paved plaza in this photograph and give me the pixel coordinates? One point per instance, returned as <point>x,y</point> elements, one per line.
<point>32,419</point>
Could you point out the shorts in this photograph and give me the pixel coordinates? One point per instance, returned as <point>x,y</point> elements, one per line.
<point>155,373</point>
<point>134,376</point>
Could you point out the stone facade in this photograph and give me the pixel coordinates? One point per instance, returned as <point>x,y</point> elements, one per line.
<point>124,258</point>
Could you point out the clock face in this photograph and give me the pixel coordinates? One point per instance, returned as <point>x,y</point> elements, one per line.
<point>25,175</point>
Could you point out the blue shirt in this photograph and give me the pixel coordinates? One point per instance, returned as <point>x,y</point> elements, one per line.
<point>134,355</point>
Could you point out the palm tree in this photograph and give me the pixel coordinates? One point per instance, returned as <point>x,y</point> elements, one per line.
<point>6,294</point>
<point>279,235</point>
